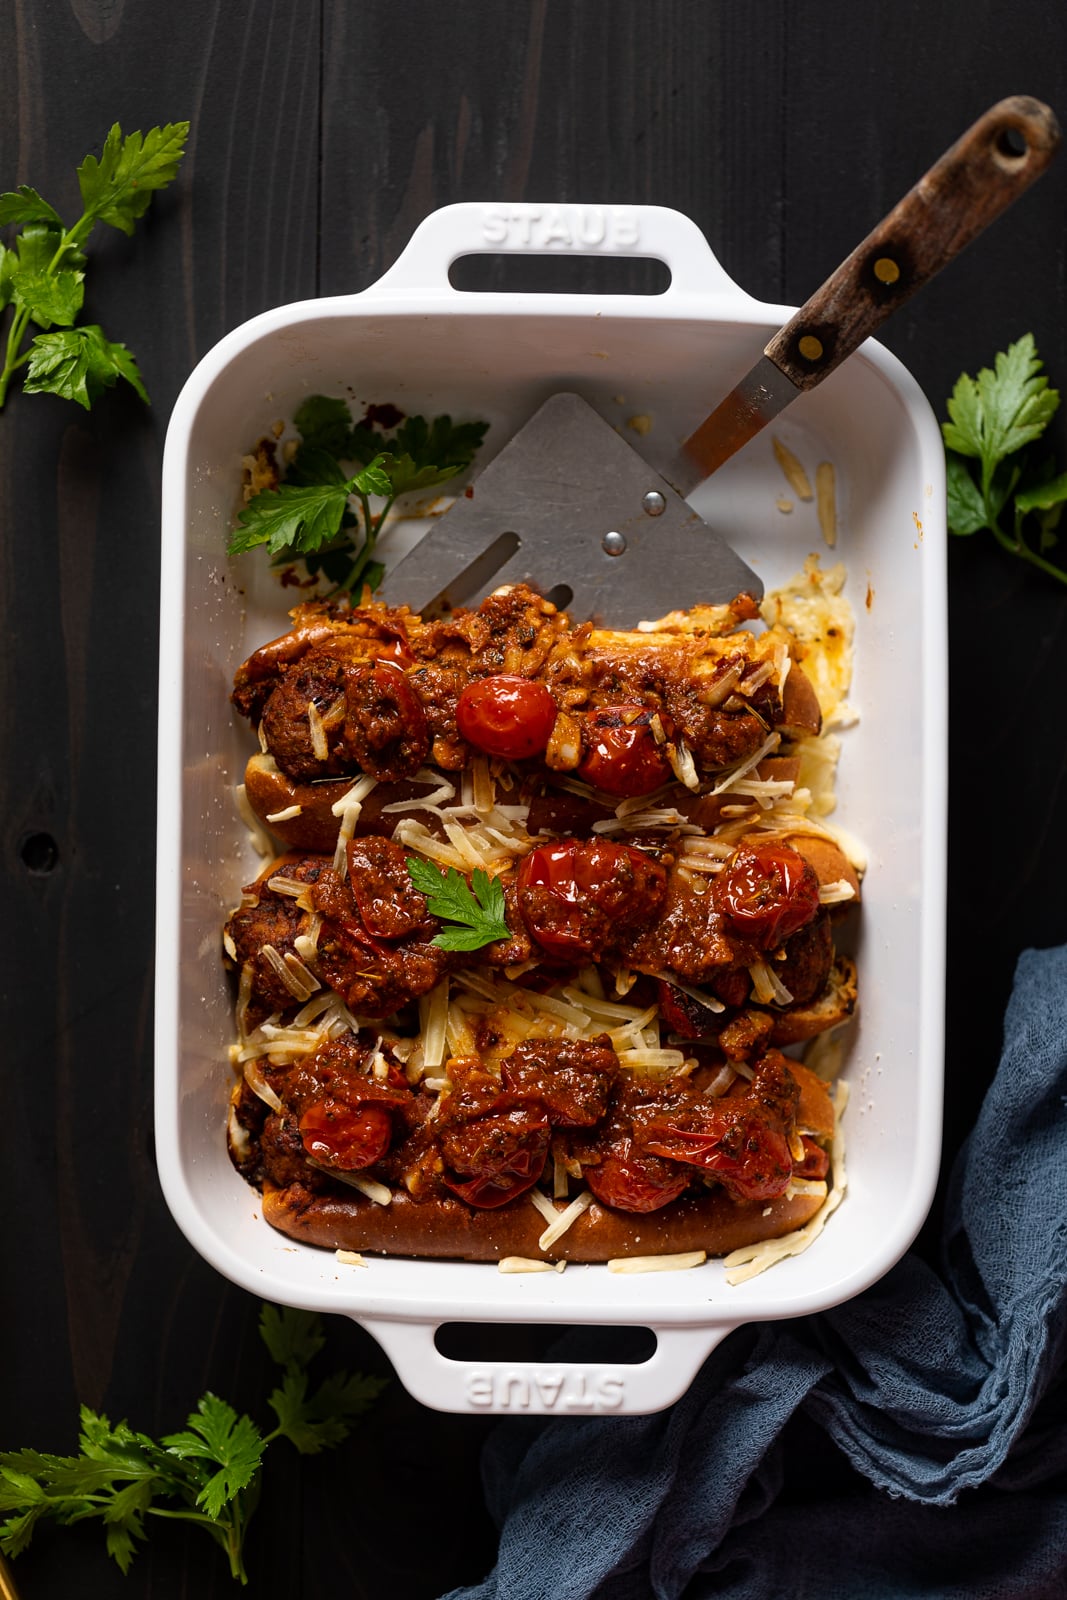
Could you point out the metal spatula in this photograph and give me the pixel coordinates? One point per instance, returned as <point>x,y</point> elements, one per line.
<point>571,508</point>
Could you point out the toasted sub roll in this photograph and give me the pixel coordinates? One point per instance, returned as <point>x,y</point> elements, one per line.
<point>815,1111</point>
<point>612,851</point>
<point>301,814</point>
<point>445,1228</point>
<point>834,1006</point>
<point>800,704</point>
<point>829,861</point>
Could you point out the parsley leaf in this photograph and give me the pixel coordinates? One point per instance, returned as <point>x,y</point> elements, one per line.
<point>42,277</point>
<point>446,445</point>
<point>8,260</point>
<point>317,1421</point>
<point>233,1444</point>
<point>966,508</point>
<point>1000,411</point>
<point>118,188</point>
<point>477,906</point>
<point>332,526</point>
<point>1048,496</point>
<point>326,424</point>
<point>25,205</point>
<point>78,364</point>
<point>295,518</point>
<point>208,1474</point>
<point>994,420</point>
<point>292,1337</point>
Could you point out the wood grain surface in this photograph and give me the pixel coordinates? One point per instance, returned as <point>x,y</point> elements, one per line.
<point>323,131</point>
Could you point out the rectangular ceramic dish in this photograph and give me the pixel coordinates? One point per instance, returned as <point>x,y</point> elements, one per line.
<point>414,340</point>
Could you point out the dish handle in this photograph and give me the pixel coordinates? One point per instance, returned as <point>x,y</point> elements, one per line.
<point>521,228</point>
<point>544,1388</point>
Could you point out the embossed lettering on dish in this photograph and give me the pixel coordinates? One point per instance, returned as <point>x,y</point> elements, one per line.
<point>560,227</point>
<point>545,1389</point>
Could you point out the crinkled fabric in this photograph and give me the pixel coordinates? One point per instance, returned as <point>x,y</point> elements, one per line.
<point>943,1390</point>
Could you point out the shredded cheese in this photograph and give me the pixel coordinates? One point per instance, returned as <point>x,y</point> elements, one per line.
<point>287,815</point>
<point>319,746</point>
<point>767,986</point>
<point>682,1262</point>
<point>566,1219</point>
<point>793,469</point>
<point>354,797</point>
<point>433,1017</point>
<point>350,1258</point>
<point>261,841</point>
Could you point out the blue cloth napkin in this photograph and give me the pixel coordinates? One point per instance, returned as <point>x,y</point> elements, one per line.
<point>945,1392</point>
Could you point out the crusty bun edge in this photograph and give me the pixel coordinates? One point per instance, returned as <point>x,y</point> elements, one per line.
<point>827,859</point>
<point>449,1230</point>
<point>801,713</point>
<point>301,814</point>
<point>833,1007</point>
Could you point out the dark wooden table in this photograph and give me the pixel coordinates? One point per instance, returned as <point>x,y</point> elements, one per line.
<point>322,132</point>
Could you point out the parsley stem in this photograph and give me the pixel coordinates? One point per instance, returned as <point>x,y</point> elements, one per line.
<point>12,359</point>
<point>21,319</point>
<point>371,528</point>
<point>229,1533</point>
<point>1016,545</point>
<point>75,236</point>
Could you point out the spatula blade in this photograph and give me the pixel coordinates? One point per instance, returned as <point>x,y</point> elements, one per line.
<point>564,507</point>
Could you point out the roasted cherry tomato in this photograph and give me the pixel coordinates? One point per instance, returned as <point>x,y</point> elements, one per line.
<point>767,891</point>
<point>620,753</point>
<point>575,895</point>
<point>491,1159</point>
<point>348,1137</point>
<point>631,1180</point>
<point>748,1155</point>
<point>506,716</point>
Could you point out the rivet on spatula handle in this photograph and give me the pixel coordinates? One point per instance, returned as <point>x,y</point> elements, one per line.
<point>977,179</point>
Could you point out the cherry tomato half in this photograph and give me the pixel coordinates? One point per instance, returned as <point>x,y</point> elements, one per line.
<point>620,753</point>
<point>767,891</point>
<point>492,1159</point>
<point>506,716</point>
<point>576,894</point>
<point>348,1137</point>
<point>630,1180</point>
<point>748,1155</point>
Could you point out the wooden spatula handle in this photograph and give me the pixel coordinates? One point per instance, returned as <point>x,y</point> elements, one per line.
<point>967,189</point>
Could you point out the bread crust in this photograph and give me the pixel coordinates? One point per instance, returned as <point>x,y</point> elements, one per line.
<point>313,828</point>
<point>446,1229</point>
<point>831,1009</point>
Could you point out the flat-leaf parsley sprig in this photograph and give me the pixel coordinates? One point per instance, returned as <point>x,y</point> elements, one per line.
<point>477,908</point>
<point>322,513</point>
<point>994,423</point>
<point>42,274</point>
<point>208,1474</point>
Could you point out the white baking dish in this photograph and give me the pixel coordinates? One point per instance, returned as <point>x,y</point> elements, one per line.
<point>413,339</point>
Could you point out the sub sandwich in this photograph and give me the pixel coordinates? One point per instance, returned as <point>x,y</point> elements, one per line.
<point>549,906</point>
